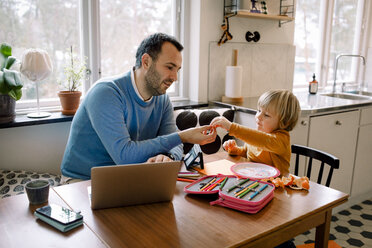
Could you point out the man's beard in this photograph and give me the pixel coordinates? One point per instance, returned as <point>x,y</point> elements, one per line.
<point>153,83</point>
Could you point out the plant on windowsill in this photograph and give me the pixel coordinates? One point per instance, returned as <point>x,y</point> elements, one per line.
<point>10,84</point>
<point>75,72</point>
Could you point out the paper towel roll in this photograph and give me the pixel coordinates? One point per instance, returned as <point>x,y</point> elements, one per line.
<point>233,81</point>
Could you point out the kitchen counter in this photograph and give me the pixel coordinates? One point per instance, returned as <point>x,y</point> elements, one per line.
<point>310,104</point>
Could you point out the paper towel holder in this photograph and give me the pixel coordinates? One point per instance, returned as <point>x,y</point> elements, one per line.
<point>233,97</point>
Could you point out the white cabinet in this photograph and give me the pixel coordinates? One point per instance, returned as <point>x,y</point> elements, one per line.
<point>337,135</point>
<point>300,132</point>
<point>362,182</point>
<point>245,119</point>
<point>299,136</point>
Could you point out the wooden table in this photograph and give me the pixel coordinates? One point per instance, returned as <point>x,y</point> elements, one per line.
<point>20,228</point>
<point>190,221</point>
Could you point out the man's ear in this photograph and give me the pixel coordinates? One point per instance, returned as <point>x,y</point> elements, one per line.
<point>146,61</point>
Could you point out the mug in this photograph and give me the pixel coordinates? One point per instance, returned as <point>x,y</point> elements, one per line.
<point>37,191</point>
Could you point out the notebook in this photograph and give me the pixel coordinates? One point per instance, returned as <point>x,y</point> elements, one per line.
<point>133,184</point>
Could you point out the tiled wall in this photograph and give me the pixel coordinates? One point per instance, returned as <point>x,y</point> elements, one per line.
<point>265,66</point>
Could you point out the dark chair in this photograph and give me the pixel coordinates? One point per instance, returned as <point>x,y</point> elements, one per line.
<point>323,157</point>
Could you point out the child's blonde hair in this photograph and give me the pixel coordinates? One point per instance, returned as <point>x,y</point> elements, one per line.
<point>284,104</point>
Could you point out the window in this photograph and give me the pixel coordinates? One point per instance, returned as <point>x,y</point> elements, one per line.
<point>106,32</point>
<point>28,24</point>
<point>319,38</point>
<point>124,24</point>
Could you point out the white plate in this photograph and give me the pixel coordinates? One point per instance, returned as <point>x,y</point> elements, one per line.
<point>255,170</point>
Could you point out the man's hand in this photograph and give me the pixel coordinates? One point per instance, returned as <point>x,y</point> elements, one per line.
<point>159,158</point>
<point>198,135</point>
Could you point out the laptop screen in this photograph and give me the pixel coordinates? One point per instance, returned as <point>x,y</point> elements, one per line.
<point>132,184</point>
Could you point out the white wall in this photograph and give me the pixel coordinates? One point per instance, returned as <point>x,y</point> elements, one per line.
<point>368,69</point>
<point>36,148</point>
<point>209,30</point>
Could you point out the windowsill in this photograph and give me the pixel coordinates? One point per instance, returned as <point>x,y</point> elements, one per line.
<point>22,120</point>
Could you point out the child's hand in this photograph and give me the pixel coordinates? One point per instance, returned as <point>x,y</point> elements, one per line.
<point>232,148</point>
<point>221,122</point>
<point>198,135</point>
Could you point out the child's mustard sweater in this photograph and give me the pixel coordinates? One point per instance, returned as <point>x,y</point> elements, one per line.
<point>267,148</point>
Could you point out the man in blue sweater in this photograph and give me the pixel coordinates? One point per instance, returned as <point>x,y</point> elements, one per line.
<point>129,118</point>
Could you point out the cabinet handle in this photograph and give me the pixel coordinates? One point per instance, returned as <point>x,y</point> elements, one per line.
<point>338,123</point>
<point>304,123</point>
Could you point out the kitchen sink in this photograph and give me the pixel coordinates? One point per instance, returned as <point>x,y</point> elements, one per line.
<point>348,96</point>
<point>360,92</point>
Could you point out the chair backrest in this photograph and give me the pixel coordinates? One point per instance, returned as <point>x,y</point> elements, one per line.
<point>323,157</point>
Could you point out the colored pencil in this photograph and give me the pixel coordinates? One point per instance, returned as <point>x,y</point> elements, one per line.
<point>214,184</point>
<point>244,188</point>
<point>223,183</point>
<point>246,192</point>
<point>239,184</point>
<point>185,180</point>
<point>249,187</point>
<point>188,174</point>
<point>209,183</point>
<point>257,192</point>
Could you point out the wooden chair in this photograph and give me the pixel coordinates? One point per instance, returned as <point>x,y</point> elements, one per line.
<point>323,157</point>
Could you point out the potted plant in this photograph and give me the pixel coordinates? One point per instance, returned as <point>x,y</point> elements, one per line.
<point>10,84</point>
<point>74,71</point>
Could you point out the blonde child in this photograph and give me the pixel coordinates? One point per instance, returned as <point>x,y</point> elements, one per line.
<point>277,114</point>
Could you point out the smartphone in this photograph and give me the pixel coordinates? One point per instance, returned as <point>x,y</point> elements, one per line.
<point>191,158</point>
<point>60,214</point>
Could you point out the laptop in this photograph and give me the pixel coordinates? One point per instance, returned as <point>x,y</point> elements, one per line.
<point>133,184</point>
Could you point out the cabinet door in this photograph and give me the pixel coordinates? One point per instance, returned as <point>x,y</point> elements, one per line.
<point>299,133</point>
<point>299,137</point>
<point>337,135</point>
<point>362,183</point>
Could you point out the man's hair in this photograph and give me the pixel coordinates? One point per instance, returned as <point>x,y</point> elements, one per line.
<point>284,104</point>
<point>152,46</point>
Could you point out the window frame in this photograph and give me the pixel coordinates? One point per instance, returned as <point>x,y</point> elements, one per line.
<point>90,41</point>
<point>89,29</point>
<point>322,68</point>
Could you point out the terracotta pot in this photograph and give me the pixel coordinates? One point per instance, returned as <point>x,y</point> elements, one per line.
<point>7,109</point>
<point>70,101</point>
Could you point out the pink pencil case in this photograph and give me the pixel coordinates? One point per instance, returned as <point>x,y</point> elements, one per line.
<point>243,194</point>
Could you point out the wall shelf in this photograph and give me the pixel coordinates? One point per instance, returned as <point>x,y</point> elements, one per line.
<point>286,11</point>
<point>247,14</point>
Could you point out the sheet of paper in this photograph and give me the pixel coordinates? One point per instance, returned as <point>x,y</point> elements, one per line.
<point>218,167</point>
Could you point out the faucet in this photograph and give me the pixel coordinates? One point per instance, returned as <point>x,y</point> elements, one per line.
<point>336,62</point>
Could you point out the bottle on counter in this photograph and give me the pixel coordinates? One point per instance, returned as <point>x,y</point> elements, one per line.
<point>313,86</point>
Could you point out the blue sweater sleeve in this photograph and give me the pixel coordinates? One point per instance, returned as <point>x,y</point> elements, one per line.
<point>108,113</point>
<point>167,126</point>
